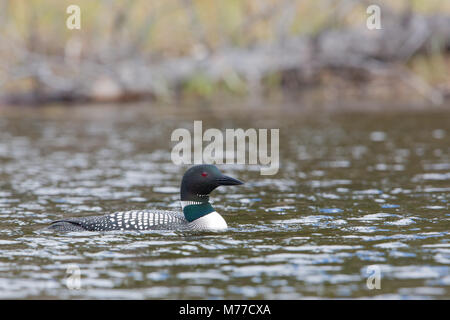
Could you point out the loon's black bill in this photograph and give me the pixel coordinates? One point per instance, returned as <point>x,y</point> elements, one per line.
<point>228,181</point>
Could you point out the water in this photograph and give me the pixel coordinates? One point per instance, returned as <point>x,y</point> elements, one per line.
<point>357,193</point>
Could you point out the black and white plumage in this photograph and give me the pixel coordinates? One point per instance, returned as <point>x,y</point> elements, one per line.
<point>125,220</point>
<point>198,214</point>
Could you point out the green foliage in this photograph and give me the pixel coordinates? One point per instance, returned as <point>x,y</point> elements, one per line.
<point>199,85</point>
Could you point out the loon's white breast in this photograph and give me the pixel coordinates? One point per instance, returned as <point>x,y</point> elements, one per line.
<point>212,221</point>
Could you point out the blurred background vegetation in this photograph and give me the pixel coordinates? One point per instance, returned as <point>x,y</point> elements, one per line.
<point>191,49</point>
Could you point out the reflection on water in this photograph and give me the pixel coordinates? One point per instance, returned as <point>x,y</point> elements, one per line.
<point>353,191</point>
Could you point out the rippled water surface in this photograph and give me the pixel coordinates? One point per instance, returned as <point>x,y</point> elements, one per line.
<point>357,195</point>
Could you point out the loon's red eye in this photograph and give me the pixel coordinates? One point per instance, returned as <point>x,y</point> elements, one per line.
<point>204,174</point>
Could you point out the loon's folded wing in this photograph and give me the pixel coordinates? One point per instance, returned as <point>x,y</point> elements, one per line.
<point>125,220</point>
<point>95,223</point>
<point>67,225</point>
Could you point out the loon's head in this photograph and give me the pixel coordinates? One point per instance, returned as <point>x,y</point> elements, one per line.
<point>200,180</point>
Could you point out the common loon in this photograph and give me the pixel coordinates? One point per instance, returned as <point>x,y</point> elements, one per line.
<point>198,214</point>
